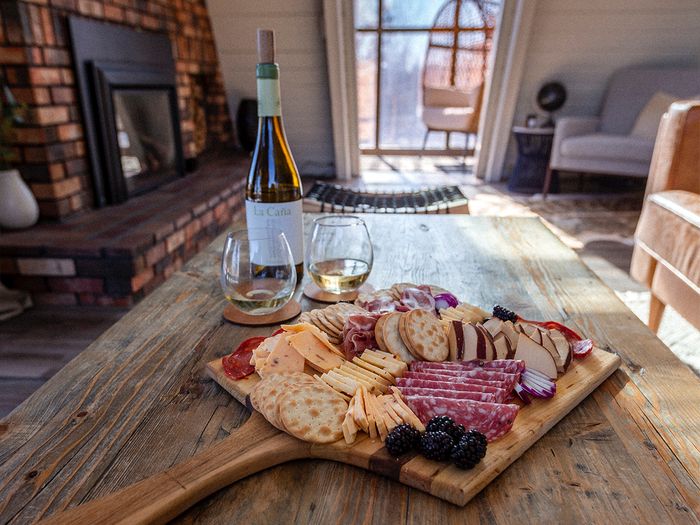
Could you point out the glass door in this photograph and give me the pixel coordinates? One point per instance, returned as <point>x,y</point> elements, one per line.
<point>391,44</point>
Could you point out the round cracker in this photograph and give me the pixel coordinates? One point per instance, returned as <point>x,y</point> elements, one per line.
<point>264,397</point>
<point>378,336</point>
<point>425,335</point>
<point>313,413</point>
<point>329,328</point>
<point>392,338</point>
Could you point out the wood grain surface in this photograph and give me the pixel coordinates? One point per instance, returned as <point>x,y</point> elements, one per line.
<point>138,401</point>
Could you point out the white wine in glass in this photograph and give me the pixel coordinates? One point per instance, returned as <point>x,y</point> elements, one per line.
<point>257,270</point>
<point>340,254</point>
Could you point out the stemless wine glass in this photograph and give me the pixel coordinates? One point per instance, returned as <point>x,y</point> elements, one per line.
<point>339,254</point>
<point>257,270</point>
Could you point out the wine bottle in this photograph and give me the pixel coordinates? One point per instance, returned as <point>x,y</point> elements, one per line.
<point>273,190</point>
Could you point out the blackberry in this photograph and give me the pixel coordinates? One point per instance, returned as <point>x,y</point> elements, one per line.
<point>436,445</point>
<point>445,424</point>
<point>504,314</point>
<point>469,450</point>
<point>403,438</point>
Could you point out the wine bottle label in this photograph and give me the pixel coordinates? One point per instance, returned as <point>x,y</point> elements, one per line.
<point>282,216</point>
<point>269,104</point>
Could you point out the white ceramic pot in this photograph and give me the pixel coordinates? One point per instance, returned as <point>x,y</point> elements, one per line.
<point>18,207</point>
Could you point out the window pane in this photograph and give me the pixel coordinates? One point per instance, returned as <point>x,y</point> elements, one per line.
<point>366,63</point>
<point>400,94</point>
<point>409,13</point>
<point>366,14</point>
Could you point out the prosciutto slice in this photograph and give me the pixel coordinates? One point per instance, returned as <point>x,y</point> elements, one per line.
<point>418,298</point>
<point>358,334</point>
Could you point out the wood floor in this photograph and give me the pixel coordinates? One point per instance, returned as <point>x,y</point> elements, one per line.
<point>36,344</point>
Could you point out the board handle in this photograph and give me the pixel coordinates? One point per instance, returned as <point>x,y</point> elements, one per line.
<point>255,446</point>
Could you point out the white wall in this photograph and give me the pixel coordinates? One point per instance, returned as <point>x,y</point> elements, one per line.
<point>301,55</point>
<point>582,42</point>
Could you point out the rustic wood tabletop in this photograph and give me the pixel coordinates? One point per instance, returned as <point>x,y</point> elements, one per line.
<point>137,401</point>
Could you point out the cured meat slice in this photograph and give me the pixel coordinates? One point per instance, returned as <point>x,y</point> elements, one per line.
<point>508,380</point>
<point>501,393</point>
<point>358,334</point>
<point>454,379</point>
<point>486,397</point>
<point>416,298</point>
<point>237,365</point>
<point>510,366</point>
<point>491,419</point>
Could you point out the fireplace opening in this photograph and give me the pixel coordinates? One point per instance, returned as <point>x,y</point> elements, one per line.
<point>147,150</point>
<point>130,109</point>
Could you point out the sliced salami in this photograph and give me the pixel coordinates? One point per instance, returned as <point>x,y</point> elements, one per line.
<point>491,419</point>
<point>455,379</point>
<point>501,393</point>
<point>486,397</point>
<point>415,298</point>
<point>510,366</point>
<point>508,380</point>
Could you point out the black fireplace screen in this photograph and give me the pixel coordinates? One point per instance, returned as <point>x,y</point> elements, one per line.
<point>145,137</point>
<point>130,108</point>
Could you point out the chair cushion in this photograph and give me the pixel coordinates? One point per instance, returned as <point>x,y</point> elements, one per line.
<point>669,229</point>
<point>647,123</point>
<point>447,119</point>
<point>606,146</point>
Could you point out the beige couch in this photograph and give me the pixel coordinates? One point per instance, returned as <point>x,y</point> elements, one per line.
<point>604,144</point>
<point>667,241</point>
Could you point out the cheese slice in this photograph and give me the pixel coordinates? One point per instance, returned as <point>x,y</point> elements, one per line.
<point>359,412</point>
<point>388,401</point>
<point>378,416</point>
<point>413,419</point>
<point>320,335</point>
<point>392,365</point>
<point>263,350</point>
<point>369,410</point>
<point>366,373</point>
<point>314,351</point>
<point>370,383</point>
<point>372,368</point>
<point>282,358</point>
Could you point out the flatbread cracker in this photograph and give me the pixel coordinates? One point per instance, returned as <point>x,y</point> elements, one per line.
<point>313,413</point>
<point>424,335</point>
<point>392,338</point>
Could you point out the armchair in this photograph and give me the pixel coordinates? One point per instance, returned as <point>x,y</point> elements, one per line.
<point>666,253</point>
<point>603,144</point>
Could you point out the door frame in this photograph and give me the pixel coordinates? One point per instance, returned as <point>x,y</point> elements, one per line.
<point>339,29</point>
<point>503,86</point>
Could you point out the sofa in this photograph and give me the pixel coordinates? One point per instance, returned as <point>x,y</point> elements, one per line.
<point>604,144</point>
<point>666,253</point>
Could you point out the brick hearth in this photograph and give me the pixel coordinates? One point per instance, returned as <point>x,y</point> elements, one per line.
<point>36,62</point>
<point>116,255</point>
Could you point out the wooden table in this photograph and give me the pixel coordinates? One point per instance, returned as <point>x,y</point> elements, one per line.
<point>137,401</point>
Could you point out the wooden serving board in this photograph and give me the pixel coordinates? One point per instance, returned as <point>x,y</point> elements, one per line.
<point>257,445</point>
<point>442,479</point>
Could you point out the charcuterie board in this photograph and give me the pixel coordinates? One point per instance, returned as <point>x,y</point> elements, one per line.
<point>440,479</point>
<point>443,359</point>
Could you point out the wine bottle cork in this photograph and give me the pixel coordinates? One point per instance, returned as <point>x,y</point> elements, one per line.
<point>266,46</point>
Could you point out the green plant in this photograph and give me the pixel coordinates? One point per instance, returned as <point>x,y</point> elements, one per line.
<point>11,115</point>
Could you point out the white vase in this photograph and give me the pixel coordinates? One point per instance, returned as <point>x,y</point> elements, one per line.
<point>18,207</point>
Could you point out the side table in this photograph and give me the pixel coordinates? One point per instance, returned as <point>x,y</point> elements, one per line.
<point>531,166</point>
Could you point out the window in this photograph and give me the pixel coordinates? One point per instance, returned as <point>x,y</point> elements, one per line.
<point>391,41</point>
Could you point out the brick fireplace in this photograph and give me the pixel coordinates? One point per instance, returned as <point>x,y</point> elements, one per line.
<point>37,64</point>
<point>88,250</point>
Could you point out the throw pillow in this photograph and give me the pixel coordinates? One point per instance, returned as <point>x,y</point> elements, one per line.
<point>648,120</point>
